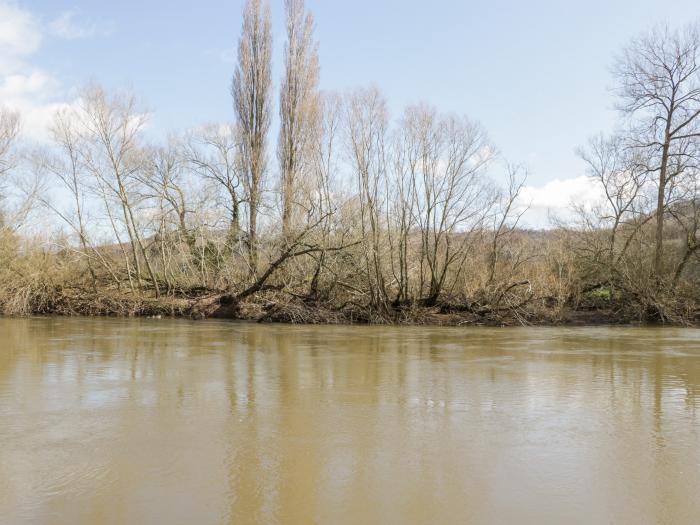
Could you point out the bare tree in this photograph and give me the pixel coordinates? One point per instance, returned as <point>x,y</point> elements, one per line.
<point>22,189</point>
<point>402,219</point>
<point>168,185</point>
<point>68,169</point>
<point>621,173</point>
<point>366,123</point>
<point>214,152</point>
<point>9,130</point>
<point>506,220</point>
<point>451,192</point>
<point>252,101</point>
<point>686,215</point>
<point>324,168</point>
<point>299,104</point>
<point>166,177</point>
<point>658,77</point>
<point>111,127</point>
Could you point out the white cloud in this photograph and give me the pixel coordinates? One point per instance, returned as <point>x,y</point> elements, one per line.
<point>20,35</point>
<point>19,85</point>
<point>30,90</point>
<point>71,26</point>
<point>557,198</point>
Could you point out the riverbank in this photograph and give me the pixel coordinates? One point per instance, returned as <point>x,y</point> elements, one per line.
<point>278,308</point>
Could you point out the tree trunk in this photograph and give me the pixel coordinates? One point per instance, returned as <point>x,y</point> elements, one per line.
<point>660,209</point>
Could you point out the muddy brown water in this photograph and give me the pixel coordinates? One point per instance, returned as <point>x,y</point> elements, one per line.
<point>174,422</point>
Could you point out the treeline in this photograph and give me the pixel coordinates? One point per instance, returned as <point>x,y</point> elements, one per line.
<point>355,216</point>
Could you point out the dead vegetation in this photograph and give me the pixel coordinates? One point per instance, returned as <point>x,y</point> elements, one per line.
<point>369,219</point>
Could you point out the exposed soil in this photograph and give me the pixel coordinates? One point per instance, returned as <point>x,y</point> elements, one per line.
<point>204,305</point>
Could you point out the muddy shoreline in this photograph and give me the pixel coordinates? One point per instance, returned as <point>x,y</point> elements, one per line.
<point>263,309</point>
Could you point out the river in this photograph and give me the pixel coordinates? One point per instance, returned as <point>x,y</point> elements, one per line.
<point>106,421</point>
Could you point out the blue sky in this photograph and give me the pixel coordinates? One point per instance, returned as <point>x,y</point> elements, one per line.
<point>535,74</point>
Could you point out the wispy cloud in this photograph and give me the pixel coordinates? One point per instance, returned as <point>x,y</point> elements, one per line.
<point>227,55</point>
<point>71,25</point>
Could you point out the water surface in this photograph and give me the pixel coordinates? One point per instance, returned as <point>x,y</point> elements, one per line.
<point>174,422</point>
